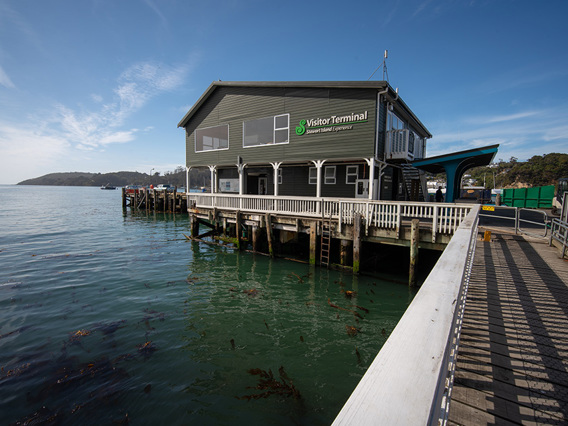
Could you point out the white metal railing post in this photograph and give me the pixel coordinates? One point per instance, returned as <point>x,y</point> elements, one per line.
<point>434,224</point>
<point>367,220</point>
<point>398,220</point>
<point>340,216</point>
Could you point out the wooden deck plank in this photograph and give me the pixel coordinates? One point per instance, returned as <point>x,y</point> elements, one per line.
<point>513,357</point>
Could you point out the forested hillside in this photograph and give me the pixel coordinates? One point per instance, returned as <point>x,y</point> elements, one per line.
<point>198,178</point>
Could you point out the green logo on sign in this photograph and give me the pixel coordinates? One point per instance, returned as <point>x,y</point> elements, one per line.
<point>300,130</point>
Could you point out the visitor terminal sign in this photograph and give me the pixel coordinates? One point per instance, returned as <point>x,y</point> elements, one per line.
<point>334,123</point>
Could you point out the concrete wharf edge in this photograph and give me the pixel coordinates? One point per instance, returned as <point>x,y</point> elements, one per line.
<point>512,365</point>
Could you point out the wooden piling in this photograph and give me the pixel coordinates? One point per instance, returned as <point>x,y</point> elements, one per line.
<point>238,232</point>
<point>356,242</point>
<point>269,235</point>
<point>345,249</point>
<point>123,197</point>
<point>194,226</point>
<point>414,234</point>
<point>313,242</point>
<point>255,238</point>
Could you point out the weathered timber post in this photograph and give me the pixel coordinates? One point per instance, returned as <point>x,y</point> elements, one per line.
<point>123,197</point>
<point>344,252</point>
<point>238,230</point>
<point>313,242</point>
<point>175,199</point>
<point>414,234</point>
<point>356,242</point>
<point>135,199</point>
<point>194,226</point>
<point>255,238</point>
<point>165,199</point>
<point>269,235</point>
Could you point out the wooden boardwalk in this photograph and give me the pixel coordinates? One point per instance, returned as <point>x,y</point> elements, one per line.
<point>512,365</point>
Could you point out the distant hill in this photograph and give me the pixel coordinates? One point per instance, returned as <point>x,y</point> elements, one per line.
<point>198,178</point>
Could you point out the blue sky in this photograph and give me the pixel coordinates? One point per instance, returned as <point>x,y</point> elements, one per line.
<point>100,85</point>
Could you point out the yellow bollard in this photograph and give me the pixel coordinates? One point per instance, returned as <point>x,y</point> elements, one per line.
<point>487,236</point>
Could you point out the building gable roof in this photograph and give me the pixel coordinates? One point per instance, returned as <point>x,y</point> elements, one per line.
<point>375,85</point>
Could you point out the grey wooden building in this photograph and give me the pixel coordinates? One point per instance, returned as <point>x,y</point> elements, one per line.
<point>344,139</point>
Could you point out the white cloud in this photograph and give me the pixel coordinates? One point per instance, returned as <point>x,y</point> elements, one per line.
<point>25,151</point>
<point>67,133</point>
<point>136,86</point>
<point>5,80</point>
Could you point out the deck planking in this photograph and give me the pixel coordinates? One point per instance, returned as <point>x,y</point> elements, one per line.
<point>512,365</point>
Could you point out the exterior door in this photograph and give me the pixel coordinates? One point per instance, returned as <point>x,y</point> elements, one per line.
<point>362,188</point>
<point>262,185</point>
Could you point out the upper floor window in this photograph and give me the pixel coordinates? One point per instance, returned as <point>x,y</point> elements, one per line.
<point>266,131</point>
<point>212,138</point>
<point>394,122</point>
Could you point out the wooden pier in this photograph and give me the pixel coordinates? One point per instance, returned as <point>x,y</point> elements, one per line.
<point>167,201</point>
<point>512,364</point>
<point>336,228</point>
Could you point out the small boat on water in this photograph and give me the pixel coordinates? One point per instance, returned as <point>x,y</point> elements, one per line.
<point>108,186</point>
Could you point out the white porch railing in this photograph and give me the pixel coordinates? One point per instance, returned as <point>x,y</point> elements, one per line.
<point>444,217</point>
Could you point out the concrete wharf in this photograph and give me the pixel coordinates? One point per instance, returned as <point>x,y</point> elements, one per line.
<point>512,363</point>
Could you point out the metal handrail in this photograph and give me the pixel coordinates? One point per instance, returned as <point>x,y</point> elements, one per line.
<point>417,361</point>
<point>559,232</point>
<point>518,218</point>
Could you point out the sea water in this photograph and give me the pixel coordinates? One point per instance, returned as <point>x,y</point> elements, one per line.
<point>113,317</point>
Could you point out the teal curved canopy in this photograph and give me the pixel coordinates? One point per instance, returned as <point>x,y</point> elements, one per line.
<point>455,164</point>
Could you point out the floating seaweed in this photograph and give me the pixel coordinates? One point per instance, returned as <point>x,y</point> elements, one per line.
<point>271,386</point>
<point>300,279</point>
<point>147,388</point>
<point>43,416</point>
<point>146,349</point>
<point>14,372</point>
<point>343,309</point>
<point>383,332</point>
<point>75,337</point>
<point>151,315</point>
<point>352,331</point>
<point>253,292</point>
<point>233,344</point>
<point>301,338</point>
<point>266,325</point>
<point>18,330</point>
<point>362,308</point>
<point>349,294</point>
<point>110,327</point>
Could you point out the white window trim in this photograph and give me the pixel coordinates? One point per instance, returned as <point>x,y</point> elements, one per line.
<point>329,180</point>
<point>211,127</point>
<point>355,173</point>
<point>315,178</point>
<point>273,132</point>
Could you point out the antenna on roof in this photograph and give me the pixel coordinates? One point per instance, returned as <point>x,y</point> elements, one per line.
<point>384,65</point>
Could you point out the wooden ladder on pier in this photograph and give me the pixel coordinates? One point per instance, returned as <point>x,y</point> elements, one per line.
<point>325,241</point>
